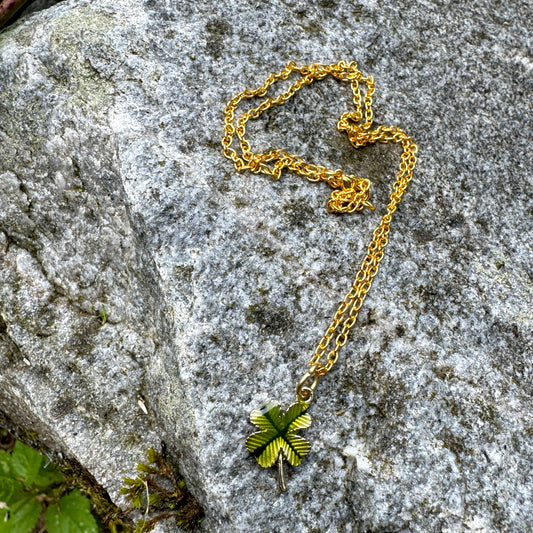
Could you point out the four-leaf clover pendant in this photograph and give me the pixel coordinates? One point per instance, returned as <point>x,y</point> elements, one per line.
<point>277,441</point>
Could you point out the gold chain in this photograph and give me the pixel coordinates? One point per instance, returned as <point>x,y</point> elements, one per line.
<point>350,194</point>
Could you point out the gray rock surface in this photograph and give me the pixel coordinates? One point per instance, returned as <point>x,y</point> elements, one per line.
<point>217,285</point>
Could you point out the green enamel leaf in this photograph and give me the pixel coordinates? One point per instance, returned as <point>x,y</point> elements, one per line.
<point>278,434</point>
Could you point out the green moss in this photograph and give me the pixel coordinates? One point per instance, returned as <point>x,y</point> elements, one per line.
<point>132,439</point>
<point>160,494</point>
<point>456,446</point>
<point>103,315</point>
<point>113,518</point>
<point>184,272</point>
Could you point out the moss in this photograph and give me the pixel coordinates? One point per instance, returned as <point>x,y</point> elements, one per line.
<point>27,436</point>
<point>168,494</point>
<point>456,446</point>
<point>113,518</point>
<point>184,272</point>
<point>132,439</point>
<point>103,315</point>
<point>263,291</point>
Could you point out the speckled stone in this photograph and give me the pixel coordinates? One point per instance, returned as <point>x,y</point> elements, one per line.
<point>218,285</point>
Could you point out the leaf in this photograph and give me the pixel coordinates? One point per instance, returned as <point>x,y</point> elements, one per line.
<point>154,499</point>
<point>9,489</point>
<point>139,527</point>
<point>5,463</point>
<point>278,434</point>
<point>48,475</point>
<point>72,516</point>
<point>24,510</point>
<point>152,455</point>
<point>137,500</point>
<point>25,463</point>
<point>141,467</point>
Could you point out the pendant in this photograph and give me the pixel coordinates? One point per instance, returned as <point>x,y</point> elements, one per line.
<point>277,440</point>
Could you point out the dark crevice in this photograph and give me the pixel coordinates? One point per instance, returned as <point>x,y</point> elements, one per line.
<point>13,10</point>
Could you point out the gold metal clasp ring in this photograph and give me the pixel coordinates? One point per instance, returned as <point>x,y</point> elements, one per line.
<point>305,390</point>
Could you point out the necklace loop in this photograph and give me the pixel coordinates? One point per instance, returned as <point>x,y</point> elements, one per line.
<point>350,192</point>
<point>277,440</point>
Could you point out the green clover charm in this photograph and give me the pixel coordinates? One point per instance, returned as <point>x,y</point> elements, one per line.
<point>277,440</point>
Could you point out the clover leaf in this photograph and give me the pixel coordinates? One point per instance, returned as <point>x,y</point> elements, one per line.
<point>277,440</point>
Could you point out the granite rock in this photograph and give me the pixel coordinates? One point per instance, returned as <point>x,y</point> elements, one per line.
<point>217,286</point>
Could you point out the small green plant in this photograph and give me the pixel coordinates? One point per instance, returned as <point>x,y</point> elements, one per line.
<point>33,492</point>
<point>158,495</point>
<point>103,315</point>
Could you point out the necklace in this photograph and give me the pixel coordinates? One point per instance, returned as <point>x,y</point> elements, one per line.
<point>278,441</point>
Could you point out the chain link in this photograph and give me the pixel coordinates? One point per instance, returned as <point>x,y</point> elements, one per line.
<point>351,193</point>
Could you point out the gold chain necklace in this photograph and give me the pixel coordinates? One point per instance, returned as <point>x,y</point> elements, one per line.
<point>277,440</point>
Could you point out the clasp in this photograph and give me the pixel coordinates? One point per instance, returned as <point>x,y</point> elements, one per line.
<point>305,390</point>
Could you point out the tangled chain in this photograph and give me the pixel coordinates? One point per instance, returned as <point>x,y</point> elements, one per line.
<point>351,193</point>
